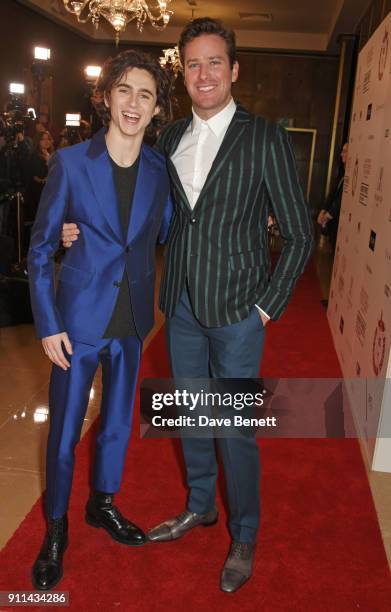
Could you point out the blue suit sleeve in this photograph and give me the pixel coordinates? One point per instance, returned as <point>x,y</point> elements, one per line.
<point>44,243</point>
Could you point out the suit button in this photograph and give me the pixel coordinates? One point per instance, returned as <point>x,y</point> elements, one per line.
<point>117,283</point>
<point>193,220</point>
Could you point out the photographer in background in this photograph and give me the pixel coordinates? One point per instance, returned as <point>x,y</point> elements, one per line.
<point>14,156</point>
<point>328,217</point>
<point>37,172</point>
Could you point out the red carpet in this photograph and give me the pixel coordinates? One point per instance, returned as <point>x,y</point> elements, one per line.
<point>319,548</point>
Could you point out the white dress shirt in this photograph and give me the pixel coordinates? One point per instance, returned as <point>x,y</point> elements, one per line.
<point>197,150</point>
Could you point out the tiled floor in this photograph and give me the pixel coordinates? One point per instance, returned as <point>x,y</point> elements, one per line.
<point>24,375</point>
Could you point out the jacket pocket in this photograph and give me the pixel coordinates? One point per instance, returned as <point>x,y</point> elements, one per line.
<point>74,276</point>
<point>247,259</point>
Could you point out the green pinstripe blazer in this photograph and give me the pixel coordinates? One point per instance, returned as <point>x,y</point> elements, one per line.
<point>221,246</point>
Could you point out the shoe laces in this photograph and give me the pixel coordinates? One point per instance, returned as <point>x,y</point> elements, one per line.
<point>239,550</point>
<point>182,516</point>
<point>56,530</point>
<point>116,514</point>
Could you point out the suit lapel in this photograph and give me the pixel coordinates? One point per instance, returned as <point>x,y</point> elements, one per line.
<point>169,149</point>
<point>240,121</point>
<point>144,194</point>
<point>100,172</point>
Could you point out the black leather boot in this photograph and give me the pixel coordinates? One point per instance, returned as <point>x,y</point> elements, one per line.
<point>100,512</point>
<point>47,569</point>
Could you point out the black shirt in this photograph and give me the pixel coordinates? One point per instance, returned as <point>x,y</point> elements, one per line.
<point>121,323</point>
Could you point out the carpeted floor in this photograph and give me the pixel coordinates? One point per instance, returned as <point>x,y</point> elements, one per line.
<point>319,546</point>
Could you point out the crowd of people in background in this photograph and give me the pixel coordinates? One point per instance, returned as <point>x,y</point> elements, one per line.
<point>25,151</point>
<point>42,146</point>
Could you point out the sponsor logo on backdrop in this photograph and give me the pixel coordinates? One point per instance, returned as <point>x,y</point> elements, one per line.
<point>379,346</point>
<point>364,191</point>
<point>383,55</point>
<point>364,187</point>
<point>366,83</point>
<point>367,166</point>
<point>358,85</point>
<point>364,300</point>
<point>372,241</point>
<point>355,177</point>
<point>369,112</point>
<point>379,188</point>
<point>361,328</point>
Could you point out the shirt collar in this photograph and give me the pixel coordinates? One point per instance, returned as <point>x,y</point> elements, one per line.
<point>218,123</point>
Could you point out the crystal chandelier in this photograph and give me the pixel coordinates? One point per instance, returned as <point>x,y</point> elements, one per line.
<point>120,12</point>
<point>170,59</point>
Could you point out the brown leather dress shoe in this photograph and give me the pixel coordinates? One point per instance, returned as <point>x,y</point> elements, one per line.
<point>175,528</point>
<point>238,566</point>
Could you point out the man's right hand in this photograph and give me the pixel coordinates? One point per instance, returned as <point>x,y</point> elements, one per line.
<point>69,234</point>
<point>52,345</point>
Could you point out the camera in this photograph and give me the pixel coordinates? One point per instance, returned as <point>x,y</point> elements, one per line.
<point>15,120</point>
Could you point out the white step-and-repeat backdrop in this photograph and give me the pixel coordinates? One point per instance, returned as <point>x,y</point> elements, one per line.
<point>359,309</point>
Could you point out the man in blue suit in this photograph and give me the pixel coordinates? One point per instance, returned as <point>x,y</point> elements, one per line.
<point>117,189</point>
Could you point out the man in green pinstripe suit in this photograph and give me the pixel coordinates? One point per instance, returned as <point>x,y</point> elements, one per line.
<point>227,167</point>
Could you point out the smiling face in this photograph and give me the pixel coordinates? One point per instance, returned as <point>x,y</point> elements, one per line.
<point>208,74</point>
<point>132,103</point>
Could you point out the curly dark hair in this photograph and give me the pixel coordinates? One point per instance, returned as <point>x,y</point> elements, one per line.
<point>207,25</point>
<point>112,71</point>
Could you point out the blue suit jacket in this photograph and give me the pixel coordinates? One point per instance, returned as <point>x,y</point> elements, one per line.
<point>80,189</point>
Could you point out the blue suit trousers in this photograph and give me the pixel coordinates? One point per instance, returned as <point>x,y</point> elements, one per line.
<point>68,399</point>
